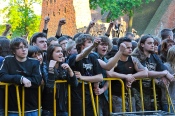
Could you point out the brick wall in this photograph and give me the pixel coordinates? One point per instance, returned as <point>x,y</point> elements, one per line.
<point>57,9</point>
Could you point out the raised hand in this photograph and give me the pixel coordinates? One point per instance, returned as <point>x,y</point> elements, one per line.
<point>62,22</point>
<point>46,19</point>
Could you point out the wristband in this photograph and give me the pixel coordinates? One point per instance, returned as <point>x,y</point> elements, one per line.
<point>21,80</point>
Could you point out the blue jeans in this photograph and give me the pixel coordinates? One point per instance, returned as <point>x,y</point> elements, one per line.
<point>1,112</point>
<point>165,108</point>
<point>34,113</point>
<point>50,113</point>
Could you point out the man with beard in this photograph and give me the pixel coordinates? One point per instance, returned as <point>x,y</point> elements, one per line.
<point>145,53</point>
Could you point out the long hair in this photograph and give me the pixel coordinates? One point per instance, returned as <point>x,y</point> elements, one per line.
<point>50,51</point>
<point>171,55</point>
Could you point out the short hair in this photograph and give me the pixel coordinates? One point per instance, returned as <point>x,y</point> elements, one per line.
<point>67,36</point>
<point>165,33</point>
<point>115,40</point>
<point>76,36</point>
<point>70,45</point>
<point>33,49</point>
<point>62,38</point>
<point>16,42</point>
<point>50,51</point>
<point>134,45</point>
<point>34,37</point>
<point>81,39</point>
<point>105,39</point>
<point>51,39</point>
<point>4,46</point>
<point>129,33</point>
<point>123,39</point>
<point>142,41</point>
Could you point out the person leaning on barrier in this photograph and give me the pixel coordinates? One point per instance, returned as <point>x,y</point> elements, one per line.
<point>170,64</point>
<point>86,68</point>
<point>101,88</point>
<point>57,70</point>
<point>25,72</point>
<point>128,69</point>
<point>145,53</point>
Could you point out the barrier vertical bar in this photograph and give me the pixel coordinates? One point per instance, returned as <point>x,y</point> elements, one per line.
<point>39,100</point>
<point>92,99</point>
<point>97,105</point>
<point>23,101</point>
<point>6,99</point>
<point>130,99</point>
<point>18,100</point>
<point>69,100</point>
<point>141,94</point>
<point>83,98</point>
<point>54,99</point>
<point>110,97</point>
<point>154,93</point>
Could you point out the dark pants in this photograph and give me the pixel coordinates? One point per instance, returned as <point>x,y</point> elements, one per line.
<point>103,106</point>
<point>76,109</point>
<point>50,113</point>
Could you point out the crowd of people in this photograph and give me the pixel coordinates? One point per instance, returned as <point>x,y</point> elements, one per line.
<point>44,60</point>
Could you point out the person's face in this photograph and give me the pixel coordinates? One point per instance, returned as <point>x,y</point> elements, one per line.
<point>53,42</point>
<point>128,49</point>
<point>87,43</point>
<point>21,51</point>
<point>169,44</point>
<point>63,44</point>
<point>148,46</point>
<point>57,54</point>
<point>102,49</point>
<point>73,50</point>
<point>38,56</point>
<point>41,42</point>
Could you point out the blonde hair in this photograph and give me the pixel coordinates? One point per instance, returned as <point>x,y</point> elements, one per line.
<point>70,45</point>
<point>171,55</point>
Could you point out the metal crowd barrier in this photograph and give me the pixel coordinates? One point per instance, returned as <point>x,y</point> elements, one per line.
<point>21,109</point>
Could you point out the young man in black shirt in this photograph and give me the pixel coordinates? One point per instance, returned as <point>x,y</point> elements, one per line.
<point>23,71</point>
<point>128,68</point>
<point>145,53</point>
<point>86,68</point>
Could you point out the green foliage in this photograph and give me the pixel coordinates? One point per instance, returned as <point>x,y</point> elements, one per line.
<point>117,8</point>
<point>22,18</point>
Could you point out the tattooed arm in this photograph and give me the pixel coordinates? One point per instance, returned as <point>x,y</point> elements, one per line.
<point>141,70</point>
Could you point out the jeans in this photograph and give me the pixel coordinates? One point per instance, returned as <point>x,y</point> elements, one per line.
<point>34,113</point>
<point>1,112</point>
<point>50,113</point>
<point>165,108</point>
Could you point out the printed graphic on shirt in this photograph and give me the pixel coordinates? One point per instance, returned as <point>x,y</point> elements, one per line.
<point>87,66</point>
<point>151,66</point>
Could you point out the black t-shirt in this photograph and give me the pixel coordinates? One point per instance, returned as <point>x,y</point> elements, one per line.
<point>153,63</point>
<point>123,67</point>
<point>87,67</point>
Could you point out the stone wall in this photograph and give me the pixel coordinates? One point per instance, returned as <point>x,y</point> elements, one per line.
<point>76,13</point>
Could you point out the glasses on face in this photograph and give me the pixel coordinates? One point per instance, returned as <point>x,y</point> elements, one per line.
<point>22,47</point>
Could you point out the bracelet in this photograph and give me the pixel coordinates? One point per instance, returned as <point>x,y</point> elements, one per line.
<point>21,80</point>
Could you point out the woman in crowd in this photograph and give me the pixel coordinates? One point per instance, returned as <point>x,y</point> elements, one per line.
<point>57,70</point>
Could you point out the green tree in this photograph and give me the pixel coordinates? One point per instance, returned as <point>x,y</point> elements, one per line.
<point>117,8</point>
<point>21,16</point>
